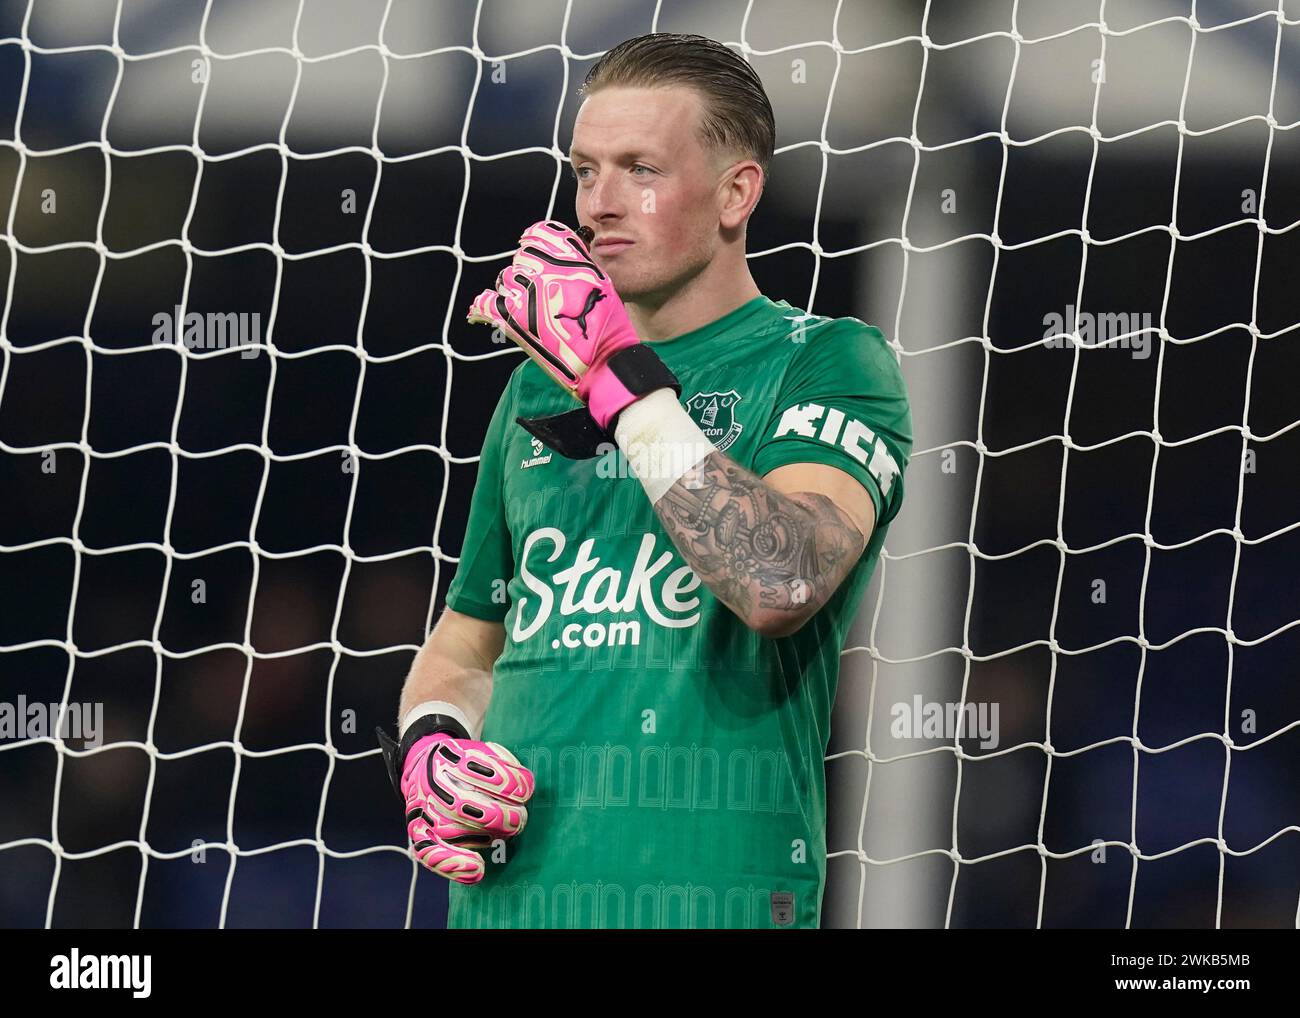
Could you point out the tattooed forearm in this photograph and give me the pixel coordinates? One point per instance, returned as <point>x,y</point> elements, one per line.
<point>759,550</point>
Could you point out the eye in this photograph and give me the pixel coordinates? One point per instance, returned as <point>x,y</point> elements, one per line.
<point>577,173</point>
<point>639,166</point>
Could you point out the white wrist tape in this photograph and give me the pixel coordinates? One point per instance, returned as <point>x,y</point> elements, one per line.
<point>436,707</point>
<point>660,441</point>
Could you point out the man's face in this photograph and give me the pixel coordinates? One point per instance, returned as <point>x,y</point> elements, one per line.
<point>643,175</point>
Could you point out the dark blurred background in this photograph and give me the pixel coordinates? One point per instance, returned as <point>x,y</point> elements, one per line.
<point>357,198</point>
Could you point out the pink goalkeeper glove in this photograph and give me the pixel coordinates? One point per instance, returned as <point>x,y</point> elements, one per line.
<point>460,794</point>
<point>561,308</point>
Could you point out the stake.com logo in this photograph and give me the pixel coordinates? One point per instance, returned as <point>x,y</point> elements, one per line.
<point>586,587</point>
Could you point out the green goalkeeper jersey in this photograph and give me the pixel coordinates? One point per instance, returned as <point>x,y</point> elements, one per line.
<point>679,755</point>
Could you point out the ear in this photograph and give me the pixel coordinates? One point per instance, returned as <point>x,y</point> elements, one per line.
<point>738,193</point>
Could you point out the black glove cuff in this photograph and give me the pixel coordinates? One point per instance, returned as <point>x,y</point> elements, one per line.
<point>395,753</point>
<point>575,434</point>
<point>641,371</point>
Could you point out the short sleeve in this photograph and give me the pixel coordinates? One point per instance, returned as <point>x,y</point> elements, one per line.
<point>487,556</point>
<point>843,403</point>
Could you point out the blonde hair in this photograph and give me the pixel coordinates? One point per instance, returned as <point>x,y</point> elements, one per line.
<point>737,116</point>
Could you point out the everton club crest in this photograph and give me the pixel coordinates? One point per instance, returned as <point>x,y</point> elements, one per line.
<point>714,412</point>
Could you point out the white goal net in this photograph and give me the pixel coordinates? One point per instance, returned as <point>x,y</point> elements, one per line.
<point>240,413</point>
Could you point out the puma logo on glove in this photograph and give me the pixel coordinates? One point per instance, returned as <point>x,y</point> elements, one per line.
<point>561,308</point>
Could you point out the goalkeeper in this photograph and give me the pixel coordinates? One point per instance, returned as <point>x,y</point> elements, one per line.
<point>621,718</point>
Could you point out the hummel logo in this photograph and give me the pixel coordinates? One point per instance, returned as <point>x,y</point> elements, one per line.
<point>537,459</point>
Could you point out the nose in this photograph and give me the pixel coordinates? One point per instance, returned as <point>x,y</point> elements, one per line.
<point>603,201</point>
